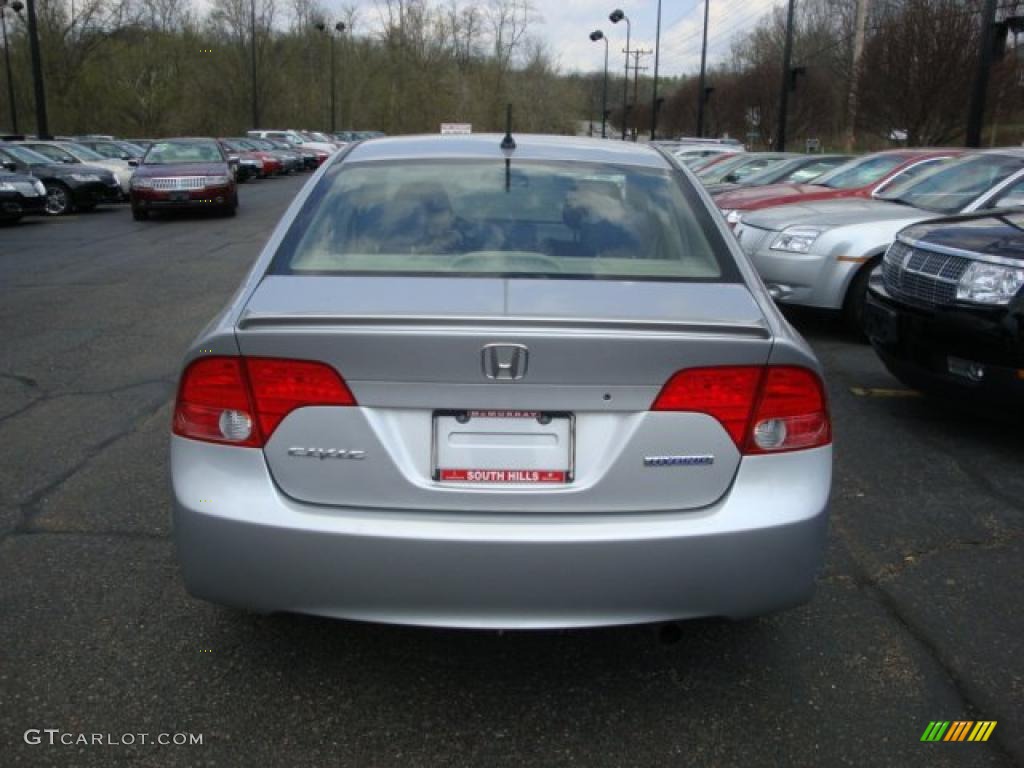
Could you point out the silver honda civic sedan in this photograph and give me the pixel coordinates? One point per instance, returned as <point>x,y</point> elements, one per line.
<point>519,383</point>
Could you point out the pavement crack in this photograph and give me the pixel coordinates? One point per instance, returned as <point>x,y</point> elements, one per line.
<point>28,381</point>
<point>30,508</point>
<point>910,559</point>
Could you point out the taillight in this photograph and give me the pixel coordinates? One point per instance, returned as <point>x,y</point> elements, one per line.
<point>241,401</point>
<point>764,409</point>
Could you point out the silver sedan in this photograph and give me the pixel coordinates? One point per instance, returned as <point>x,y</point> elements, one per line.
<point>509,384</point>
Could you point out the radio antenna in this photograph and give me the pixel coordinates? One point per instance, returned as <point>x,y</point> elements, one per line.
<point>508,142</point>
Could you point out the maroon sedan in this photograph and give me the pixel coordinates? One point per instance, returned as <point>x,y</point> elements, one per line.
<point>183,173</point>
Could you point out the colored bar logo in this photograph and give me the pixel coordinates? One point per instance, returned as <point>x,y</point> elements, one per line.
<point>958,730</point>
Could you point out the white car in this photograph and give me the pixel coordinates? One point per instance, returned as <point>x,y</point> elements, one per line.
<point>72,152</point>
<point>820,254</point>
<point>295,140</point>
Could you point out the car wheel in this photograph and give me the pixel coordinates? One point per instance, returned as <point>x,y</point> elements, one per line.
<point>139,215</point>
<point>231,208</point>
<point>58,199</point>
<point>856,296</point>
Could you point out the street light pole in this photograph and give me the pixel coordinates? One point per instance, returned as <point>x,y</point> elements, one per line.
<point>252,40</point>
<point>339,27</point>
<point>16,6</point>
<point>42,124</point>
<point>654,97</point>
<point>702,96</point>
<point>615,17</point>
<point>596,35</point>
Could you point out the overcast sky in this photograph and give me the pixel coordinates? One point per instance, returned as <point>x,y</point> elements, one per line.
<point>566,24</point>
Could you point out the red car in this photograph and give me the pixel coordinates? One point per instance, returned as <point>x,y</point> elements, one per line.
<point>269,165</point>
<point>861,177</point>
<point>183,173</point>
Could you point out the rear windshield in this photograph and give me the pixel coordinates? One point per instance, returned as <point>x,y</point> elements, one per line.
<point>483,218</point>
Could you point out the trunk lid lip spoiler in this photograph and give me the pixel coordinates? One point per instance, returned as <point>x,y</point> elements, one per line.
<point>253,320</point>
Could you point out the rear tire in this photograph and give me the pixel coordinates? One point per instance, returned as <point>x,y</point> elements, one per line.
<point>139,215</point>
<point>58,199</point>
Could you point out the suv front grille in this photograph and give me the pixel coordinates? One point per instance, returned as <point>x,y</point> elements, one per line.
<point>922,276</point>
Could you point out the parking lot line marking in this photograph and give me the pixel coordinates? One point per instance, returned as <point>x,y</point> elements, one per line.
<point>884,392</point>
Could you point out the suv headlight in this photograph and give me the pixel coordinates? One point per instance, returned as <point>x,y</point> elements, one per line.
<point>796,239</point>
<point>85,177</point>
<point>141,182</point>
<point>40,187</point>
<point>985,283</point>
<point>216,181</point>
<point>6,186</point>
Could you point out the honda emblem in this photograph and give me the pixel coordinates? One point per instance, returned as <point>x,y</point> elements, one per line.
<point>504,362</point>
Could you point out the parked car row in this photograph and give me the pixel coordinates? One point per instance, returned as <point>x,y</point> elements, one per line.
<point>920,249</point>
<point>57,177</point>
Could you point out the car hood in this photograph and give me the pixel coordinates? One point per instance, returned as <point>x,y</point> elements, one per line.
<point>183,169</point>
<point>778,194</point>
<point>835,213</point>
<point>19,177</point>
<point>718,189</point>
<point>993,235</point>
<point>328,148</point>
<point>64,170</point>
<point>111,164</point>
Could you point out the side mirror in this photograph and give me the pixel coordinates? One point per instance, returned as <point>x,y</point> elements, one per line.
<point>133,162</point>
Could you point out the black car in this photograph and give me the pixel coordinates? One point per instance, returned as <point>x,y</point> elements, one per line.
<point>20,195</point>
<point>945,309</point>
<point>68,187</point>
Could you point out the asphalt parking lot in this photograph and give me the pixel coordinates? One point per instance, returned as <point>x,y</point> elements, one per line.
<point>917,616</point>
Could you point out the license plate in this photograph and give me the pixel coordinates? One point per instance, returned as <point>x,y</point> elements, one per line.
<point>503,447</point>
<point>179,197</point>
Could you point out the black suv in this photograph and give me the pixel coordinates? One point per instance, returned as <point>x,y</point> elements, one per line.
<point>945,309</point>
<point>68,187</point>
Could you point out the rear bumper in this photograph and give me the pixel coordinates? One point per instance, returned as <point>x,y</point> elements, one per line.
<point>241,542</point>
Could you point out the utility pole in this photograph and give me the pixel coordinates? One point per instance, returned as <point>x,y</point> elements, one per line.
<point>42,124</point>
<point>702,96</point>
<point>657,55</point>
<point>252,36</point>
<point>637,69</point>
<point>976,111</point>
<point>787,58</point>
